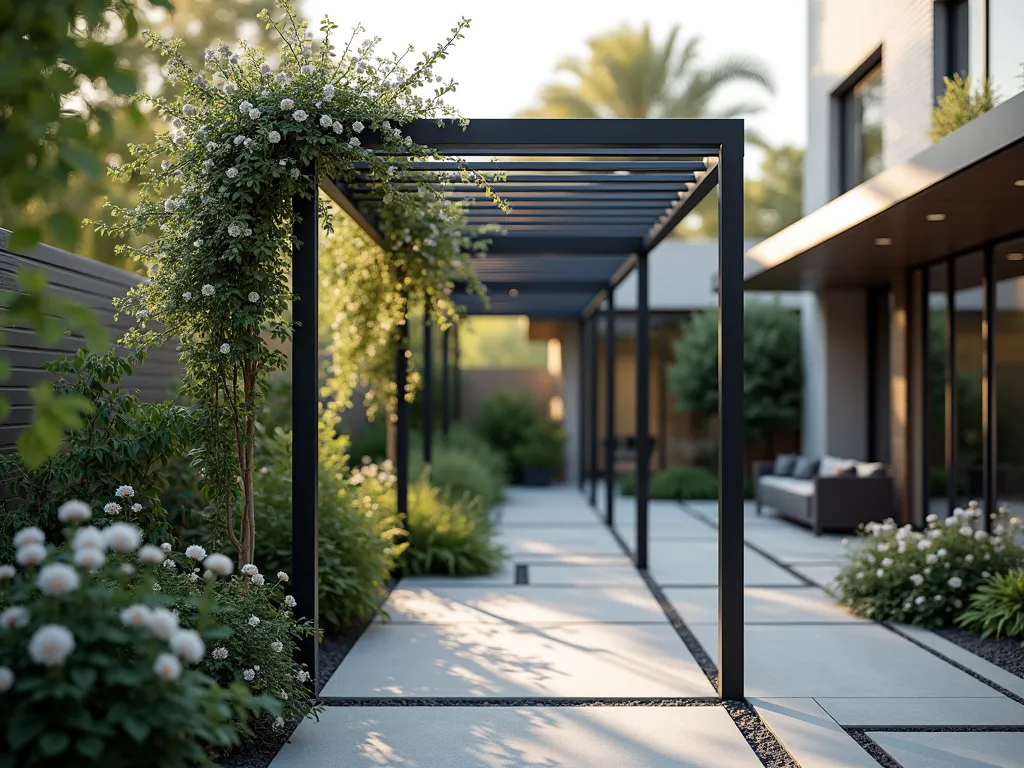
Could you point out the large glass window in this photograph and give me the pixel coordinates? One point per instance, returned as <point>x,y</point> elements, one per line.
<point>967,306</point>
<point>1006,46</point>
<point>861,114</point>
<point>1008,340</point>
<point>935,427</point>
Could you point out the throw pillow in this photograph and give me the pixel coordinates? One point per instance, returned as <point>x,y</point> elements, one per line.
<point>871,469</point>
<point>784,464</point>
<point>847,470</point>
<point>832,465</point>
<point>805,468</point>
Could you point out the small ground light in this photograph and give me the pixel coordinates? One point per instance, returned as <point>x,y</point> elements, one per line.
<point>936,217</point>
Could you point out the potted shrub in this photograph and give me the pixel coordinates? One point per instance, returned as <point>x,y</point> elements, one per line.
<point>540,452</point>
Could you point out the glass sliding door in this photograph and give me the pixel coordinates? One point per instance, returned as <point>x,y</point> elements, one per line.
<point>936,449</point>
<point>967,440</point>
<point>1008,337</point>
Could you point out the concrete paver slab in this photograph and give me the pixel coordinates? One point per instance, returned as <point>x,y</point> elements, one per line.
<point>545,513</point>
<point>538,542</point>
<point>994,710</point>
<point>503,737</point>
<point>822,575</point>
<point>687,563</point>
<point>502,660</point>
<point>584,576</point>
<point>953,750</point>
<point>810,735</point>
<point>786,605</point>
<point>523,605</point>
<point>793,544</point>
<point>800,661</point>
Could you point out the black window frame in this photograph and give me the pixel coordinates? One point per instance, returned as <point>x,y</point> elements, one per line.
<point>846,118</point>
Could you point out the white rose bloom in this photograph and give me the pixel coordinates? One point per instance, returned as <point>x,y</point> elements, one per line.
<point>955,582</point>
<point>88,537</point>
<point>357,127</point>
<point>151,555</point>
<point>167,667</point>
<point>254,114</point>
<point>125,492</point>
<point>195,552</point>
<point>325,121</point>
<point>137,615</point>
<point>73,511</point>
<point>208,290</point>
<point>306,69</point>
<point>235,231</point>
<point>7,680</point>
<point>277,646</point>
<point>30,554</point>
<point>122,537</point>
<point>295,173</point>
<point>7,572</point>
<point>980,535</point>
<point>917,579</point>
<point>886,562</point>
<point>952,520</point>
<point>966,530</point>
<point>163,623</point>
<point>931,518</point>
<point>30,535</point>
<point>249,569</point>
<point>220,564</point>
<point>188,645</point>
<point>287,104</point>
<point>299,115</point>
<point>968,558</point>
<point>258,580</point>
<point>254,621</point>
<point>136,507</point>
<point>279,723</point>
<point>273,137</point>
<point>231,172</point>
<point>51,645</point>
<point>244,107</point>
<point>918,600</point>
<point>249,675</point>
<point>57,579</point>
<point>282,576</point>
<point>187,295</point>
<point>15,617</point>
<point>338,127</point>
<point>225,348</point>
<point>169,564</point>
<point>220,653</point>
<point>880,573</point>
<point>112,508</point>
<point>302,676</point>
<point>931,559</point>
<point>328,92</point>
<point>289,601</point>
<point>254,297</point>
<point>354,141</point>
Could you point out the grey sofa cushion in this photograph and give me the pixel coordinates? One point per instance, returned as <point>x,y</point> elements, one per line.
<point>833,465</point>
<point>784,464</point>
<point>789,485</point>
<point>805,468</point>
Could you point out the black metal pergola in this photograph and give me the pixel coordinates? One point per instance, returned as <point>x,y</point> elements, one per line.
<point>590,199</point>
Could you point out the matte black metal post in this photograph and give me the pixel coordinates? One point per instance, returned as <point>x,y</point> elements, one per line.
<point>592,407</point>
<point>730,415</point>
<point>305,417</point>
<point>924,392</point>
<point>402,425</point>
<point>445,385</point>
<point>609,450</point>
<point>643,409</point>
<point>581,442</point>
<point>990,455</point>
<point>428,388</point>
<point>952,465</point>
<point>456,378</point>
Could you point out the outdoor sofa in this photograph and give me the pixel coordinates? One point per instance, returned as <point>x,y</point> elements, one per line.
<point>830,494</point>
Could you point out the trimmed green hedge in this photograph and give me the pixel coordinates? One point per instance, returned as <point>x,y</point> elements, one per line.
<point>676,483</point>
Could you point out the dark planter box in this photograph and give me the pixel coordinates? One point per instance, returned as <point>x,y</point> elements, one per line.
<point>537,476</point>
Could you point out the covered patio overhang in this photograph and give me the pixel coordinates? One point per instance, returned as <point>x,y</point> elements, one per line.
<point>589,200</point>
<point>964,192</point>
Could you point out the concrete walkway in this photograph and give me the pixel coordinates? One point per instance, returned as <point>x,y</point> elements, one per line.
<point>567,658</point>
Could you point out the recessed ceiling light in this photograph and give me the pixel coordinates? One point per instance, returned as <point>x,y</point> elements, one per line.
<point>513,291</point>
<point>883,241</point>
<point>1019,183</point>
<point>1016,256</point>
<point>936,217</point>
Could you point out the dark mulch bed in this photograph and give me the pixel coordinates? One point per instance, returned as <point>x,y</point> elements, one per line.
<point>258,750</point>
<point>1006,653</point>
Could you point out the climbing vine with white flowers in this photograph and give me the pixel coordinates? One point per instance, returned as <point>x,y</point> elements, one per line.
<point>217,212</point>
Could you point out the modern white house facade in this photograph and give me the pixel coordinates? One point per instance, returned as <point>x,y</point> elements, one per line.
<point>910,252</point>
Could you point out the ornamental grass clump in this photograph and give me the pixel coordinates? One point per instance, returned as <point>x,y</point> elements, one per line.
<point>95,668</point>
<point>997,608</point>
<point>926,578</point>
<point>248,132</point>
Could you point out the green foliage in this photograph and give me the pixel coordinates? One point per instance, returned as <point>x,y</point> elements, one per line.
<point>49,316</point>
<point>122,441</point>
<point>997,608</point>
<point>503,422</point>
<point>108,689</point>
<point>216,212</point>
<point>676,483</point>
<point>238,650</point>
<point>772,367</point>
<point>541,446</point>
<point>464,438</point>
<point>958,105</point>
<point>460,474</point>
<point>453,539</point>
<point>898,574</point>
<point>359,531</point>
<point>54,55</point>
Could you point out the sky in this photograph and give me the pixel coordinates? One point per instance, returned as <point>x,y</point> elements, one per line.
<point>511,49</point>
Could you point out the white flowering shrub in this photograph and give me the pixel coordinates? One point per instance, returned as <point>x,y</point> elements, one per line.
<point>95,669</point>
<point>246,133</point>
<point>926,577</point>
<point>257,632</point>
